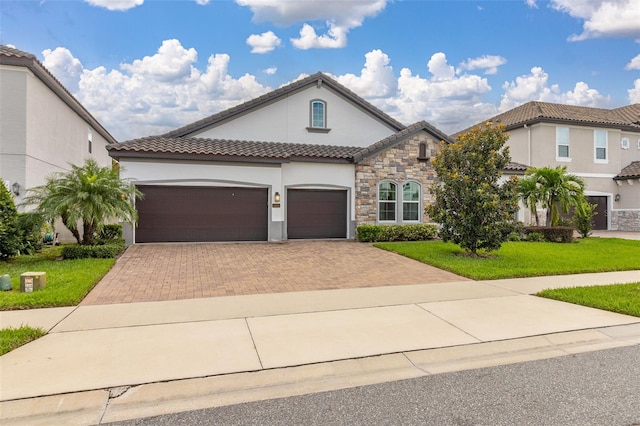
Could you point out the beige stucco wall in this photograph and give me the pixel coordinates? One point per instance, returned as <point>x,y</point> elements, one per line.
<point>398,164</point>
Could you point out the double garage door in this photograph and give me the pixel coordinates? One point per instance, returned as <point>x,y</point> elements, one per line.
<point>192,214</point>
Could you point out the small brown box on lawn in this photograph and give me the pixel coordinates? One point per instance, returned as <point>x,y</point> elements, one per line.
<point>32,281</point>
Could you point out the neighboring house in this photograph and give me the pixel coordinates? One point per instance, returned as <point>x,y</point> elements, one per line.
<point>601,146</point>
<point>308,160</point>
<point>43,128</point>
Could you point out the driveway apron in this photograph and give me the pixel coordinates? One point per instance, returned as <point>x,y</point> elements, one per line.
<point>157,272</point>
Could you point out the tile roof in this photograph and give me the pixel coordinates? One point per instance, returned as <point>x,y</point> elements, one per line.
<point>516,167</point>
<point>317,78</point>
<point>222,149</point>
<point>398,137</point>
<point>15,57</point>
<point>627,117</point>
<point>632,171</point>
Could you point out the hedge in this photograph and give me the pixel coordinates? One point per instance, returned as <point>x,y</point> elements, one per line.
<point>553,234</point>
<point>383,233</point>
<point>103,251</point>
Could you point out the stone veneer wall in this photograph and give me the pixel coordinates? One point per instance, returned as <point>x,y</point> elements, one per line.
<point>399,164</point>
<point>625,220</point>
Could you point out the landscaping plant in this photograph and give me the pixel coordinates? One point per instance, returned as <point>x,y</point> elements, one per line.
<point>9,226</point>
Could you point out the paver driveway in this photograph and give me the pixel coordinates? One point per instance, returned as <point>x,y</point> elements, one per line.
<point>153,272</point>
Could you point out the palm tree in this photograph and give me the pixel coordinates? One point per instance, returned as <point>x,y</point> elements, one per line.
<point>90,195</point>
<point>531,195</point>
<point>557,187</point>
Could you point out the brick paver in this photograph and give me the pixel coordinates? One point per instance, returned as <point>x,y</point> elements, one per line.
<point>154,272</point>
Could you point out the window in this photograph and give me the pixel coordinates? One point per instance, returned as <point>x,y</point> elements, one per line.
<point>90,140</point>
<point>387,202</point>
<point>410,202</point>
<point>562,144</point>
<point>600,146</point>
<point>624,143</point>
<point>408,210</point>
<point>318,114</point>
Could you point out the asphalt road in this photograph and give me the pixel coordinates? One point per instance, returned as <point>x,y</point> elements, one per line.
<point>595,388</point>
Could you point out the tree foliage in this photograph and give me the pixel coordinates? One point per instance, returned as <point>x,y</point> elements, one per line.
<point>554,188</point>
<point>10,240</point>
<point>89,195</point>
<point>475,210</point>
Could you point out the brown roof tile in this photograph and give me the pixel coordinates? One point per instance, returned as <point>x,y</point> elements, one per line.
<point>282,92</point>
<point>632,171</point>
<point>222,149</point>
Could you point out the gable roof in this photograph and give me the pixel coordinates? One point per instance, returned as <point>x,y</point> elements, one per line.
<point>15,57</point>
<point>230,150</point>
<point>624,118</point>
<point>632,171</point>
<point>397,137</point>
<point>282,92</point>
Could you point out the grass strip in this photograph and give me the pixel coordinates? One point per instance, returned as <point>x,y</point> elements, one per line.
<point>12,338</point>
<point>620,298</point>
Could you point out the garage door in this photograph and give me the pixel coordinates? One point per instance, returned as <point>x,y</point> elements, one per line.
<point>315,213</point>
<point>172,214</point>
<point>600,219</point>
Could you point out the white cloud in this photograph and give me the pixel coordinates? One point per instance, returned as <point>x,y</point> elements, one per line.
<point>489,63</point>
<point>535,87</point>
<point>202,2</point>
<point>115,4</point>
<point>263,43</point>
<point>157,93</point>
<point>61,63</point>
<point>634,64</point>
<point>603,18</point>
<point>270,70</point>
<point>532,3</point>
<point>339,17</point>
<point>376,79</point>
<point>634,93</point>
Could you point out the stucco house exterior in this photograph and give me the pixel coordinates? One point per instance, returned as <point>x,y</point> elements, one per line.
<point>602,146</point>
<point>43,127</point>
<point>309,160</point>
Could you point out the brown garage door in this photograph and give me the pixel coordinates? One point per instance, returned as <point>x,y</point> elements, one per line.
<point>172,213</point>
<point>316,213</point>
<point>600,219</point>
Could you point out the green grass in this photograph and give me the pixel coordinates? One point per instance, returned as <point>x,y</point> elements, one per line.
<point>68,281</point>
<point>526,259</point>
<point>12,338</point>
<point>620,298</point>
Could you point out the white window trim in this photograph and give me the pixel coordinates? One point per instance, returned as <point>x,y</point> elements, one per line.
<point>563,159</point>
<point>324,111</point>
<point>624,143</point>
<point>378,201</point>
<point>606,147</point>
<point>399,203</point>
<point>419,202</point>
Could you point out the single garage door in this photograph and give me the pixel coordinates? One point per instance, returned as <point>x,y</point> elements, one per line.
<point>316,213</point>
<point>182,213</point>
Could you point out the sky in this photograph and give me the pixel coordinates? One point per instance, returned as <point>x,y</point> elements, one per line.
<point>144,67</point>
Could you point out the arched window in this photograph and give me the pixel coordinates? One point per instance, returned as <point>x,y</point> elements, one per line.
<point>411,202</point>
<point>387,196</point>
<point>318,114</point>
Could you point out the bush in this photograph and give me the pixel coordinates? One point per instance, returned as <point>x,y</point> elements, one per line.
<point>110,232</point>
<point>552,234</point>
<point>535,237</point>
<point>583,218</point>
<point>384,233</point>
<point>31,226</point>
<point>104,251</point>
<point>9,230</point>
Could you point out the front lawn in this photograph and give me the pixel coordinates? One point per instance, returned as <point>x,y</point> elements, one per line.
<point>526,259</point>
<point>12,338</point>
<point>620,298</point>
<point>68,281</point>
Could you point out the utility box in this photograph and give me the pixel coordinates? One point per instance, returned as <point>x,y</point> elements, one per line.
<point>32,281</point>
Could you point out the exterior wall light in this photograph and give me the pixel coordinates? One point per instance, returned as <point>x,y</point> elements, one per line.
<point>617,197</point>
<point>276,197</point>
<point>16,188</point>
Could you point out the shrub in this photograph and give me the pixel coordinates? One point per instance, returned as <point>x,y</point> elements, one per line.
<point>9,230</point>
<point>583,218</point>
<point>383,233</point>
<point>31,226</point>
<point>535,237</point>
<point>104,251</point>
<point>552,234</point>
<point>110,232</point>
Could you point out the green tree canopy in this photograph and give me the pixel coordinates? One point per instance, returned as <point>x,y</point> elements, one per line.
<point>90,195</point>
<point>554,188</point>
<point>10,240</point>
<point>475,209</point>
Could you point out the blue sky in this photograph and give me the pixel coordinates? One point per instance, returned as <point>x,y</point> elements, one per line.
<point>143,67</point>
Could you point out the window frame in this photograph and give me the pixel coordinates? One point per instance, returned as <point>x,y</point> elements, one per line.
<point>412,202</point>
<point>398,202</point>
<point>559,129</point>
<point>312,127</point>
<point>597,160</point>
<point>380,201</point>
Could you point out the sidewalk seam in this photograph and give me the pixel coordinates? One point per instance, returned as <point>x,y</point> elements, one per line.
<point>254,343</point>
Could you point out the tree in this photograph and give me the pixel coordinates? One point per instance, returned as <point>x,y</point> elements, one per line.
<point>531,195</point>
<point>89,195</point>
<point>475,210</point>
<point>10,240</point>
<point>583,217</point>
<point>557,189</point>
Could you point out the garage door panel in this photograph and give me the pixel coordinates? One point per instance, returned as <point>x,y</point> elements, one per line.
<point>174,214</point>
<point>316,213</point>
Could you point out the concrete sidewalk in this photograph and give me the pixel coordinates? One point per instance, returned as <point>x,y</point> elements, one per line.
<point>111,362</point>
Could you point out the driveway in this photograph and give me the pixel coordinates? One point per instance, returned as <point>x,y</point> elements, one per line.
<point>156,272</point>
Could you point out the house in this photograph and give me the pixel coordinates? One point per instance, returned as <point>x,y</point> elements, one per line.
<point>602,146</point>
<point>309,160</point>
<point>43,128</point>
